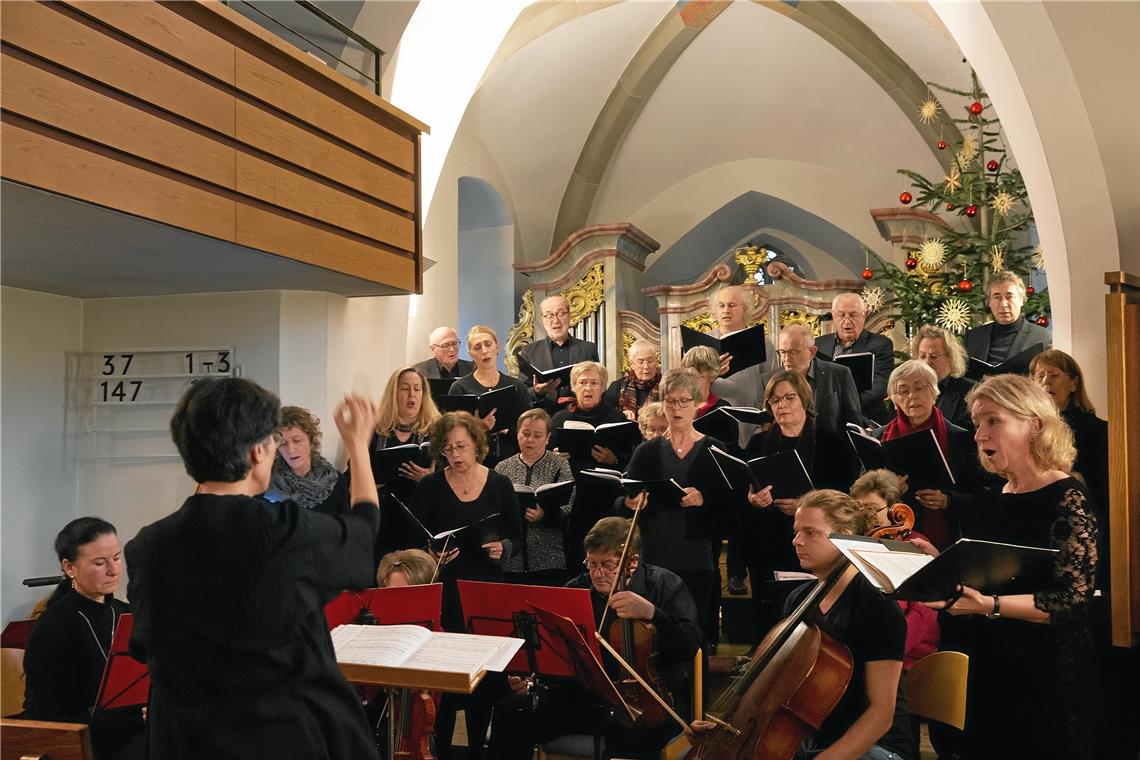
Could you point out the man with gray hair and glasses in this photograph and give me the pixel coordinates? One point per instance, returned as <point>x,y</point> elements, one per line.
<point>445,362</point>
<point>836,400</point>
<point>849,315</point>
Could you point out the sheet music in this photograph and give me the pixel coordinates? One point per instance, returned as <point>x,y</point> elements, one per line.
<point>895,566</point>
<point>389,645</point>
<point>464,652</point>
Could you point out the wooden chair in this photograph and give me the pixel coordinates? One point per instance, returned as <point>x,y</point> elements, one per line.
<point>11,681</point>
<point>44,740</point>
<point>936,688</point>
<point>577,746</point>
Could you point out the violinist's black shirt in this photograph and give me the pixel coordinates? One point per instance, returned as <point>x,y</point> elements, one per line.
<point>873,628</point>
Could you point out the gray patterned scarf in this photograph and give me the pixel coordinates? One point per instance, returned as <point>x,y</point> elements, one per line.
<point>308,491</point>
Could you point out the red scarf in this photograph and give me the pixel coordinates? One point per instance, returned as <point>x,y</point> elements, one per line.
<point>630,385</point>
<point>934,522</point>
<point>708,406</point>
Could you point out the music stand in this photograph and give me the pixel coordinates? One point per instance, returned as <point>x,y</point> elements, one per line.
<point>16,634</point>
<point>399,605</point>
<point>126,682</point>
<point>507,609</point>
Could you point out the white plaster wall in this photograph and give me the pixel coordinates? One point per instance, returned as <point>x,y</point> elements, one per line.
<point>37,489</point>
<point>486,280</point>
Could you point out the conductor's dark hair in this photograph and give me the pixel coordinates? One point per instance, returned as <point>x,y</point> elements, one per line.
<point>80,531</point>
<point>217,422</point>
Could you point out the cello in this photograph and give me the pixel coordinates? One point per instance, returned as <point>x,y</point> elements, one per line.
<point>796,678</point>
<point>636,640</point>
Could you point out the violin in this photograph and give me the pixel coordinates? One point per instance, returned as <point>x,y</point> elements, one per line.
<point>796,678</point>
<point>637,642</point>
<point>413,713</point>
<point>901,518</point>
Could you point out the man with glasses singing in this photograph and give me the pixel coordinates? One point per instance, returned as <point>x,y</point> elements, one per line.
<point>445,362</point>
<point>849,315</point>
<point>1010,333</point>
<point>558,349</point>
<point>656,596</point>
<point>836,400</point>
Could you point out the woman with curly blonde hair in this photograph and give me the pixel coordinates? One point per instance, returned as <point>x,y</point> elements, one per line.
<point>1032,663</point>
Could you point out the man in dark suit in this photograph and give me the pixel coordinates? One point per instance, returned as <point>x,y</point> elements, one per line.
<point>1010,333</point>
<point>849,315</point>
<point>558,349</point>
<point>836,400</point>
<point>445,362</point>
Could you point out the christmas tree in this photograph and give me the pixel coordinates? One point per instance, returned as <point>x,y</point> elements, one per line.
<point>945,277</point>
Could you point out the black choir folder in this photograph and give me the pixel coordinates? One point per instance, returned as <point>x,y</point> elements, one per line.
<point>528,371</point>
<point>902,570</point>
<point>502,399</point>
<point>579,438</point>
<point>723,423</point>
<point>916,455</point>
<point>662,493</point>
<point>440,386</point>
<point>862,366</point>
<point>784,471</point>
<point>745,346</point>
<point>1018,364</point>
<point>475,533</point>
<point>550,497</point>
<point>386,462</point>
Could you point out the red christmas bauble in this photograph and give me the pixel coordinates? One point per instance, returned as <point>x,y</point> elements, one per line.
<point>950,207</point>
<point>868,273</point>
<point>941,145</point>
<point>971,210</point>
<point>911,262</point>
<point>1043,321</point>
<point>905,197</point>
<point>965,286</point>
<point>992,165</point>
<point>976,108</point>
<point>1030,290</point>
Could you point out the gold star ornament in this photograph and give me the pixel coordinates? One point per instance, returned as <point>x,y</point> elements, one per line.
<point>953,180</point>
<point>1002,203</point>
<point>997,258</point>
<point>928,111</point>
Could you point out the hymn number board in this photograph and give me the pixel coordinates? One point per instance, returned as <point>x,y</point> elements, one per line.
<point>153,377</point>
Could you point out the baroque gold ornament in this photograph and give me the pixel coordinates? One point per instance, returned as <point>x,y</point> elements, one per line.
<point>521,332</point>
<point>932,254</point>
<point>586,295</point>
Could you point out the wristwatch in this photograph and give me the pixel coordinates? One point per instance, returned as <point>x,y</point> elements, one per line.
<point>997,608</point>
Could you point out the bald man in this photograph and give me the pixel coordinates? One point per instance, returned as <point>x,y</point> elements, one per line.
<point>558,349</point>
<point>445,362</point>
<point>836,400</point>
<point>849,315</point>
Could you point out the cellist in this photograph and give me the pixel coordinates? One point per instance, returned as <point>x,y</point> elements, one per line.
<point>870,720</point>
<point>656,596</point>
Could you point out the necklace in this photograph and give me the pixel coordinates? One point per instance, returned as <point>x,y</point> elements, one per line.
<point>460,482</point>
<point>401,427</point>
<point>91,628</point>
<point>679,447</point>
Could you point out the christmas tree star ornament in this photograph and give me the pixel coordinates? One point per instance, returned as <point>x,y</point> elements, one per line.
<point>953,180</point>
<point>931,254</point>
<point>1038,258</point>
<point>928,111</point>
<point>969,149</point>
<point>954,315</point>
<point>874,297</point>
<point>997,258</point>
<point>1002,203</point>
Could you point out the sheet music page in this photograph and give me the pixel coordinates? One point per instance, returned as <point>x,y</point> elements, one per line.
<point>389,645</point>
<point>464,653</point>
<point>896,566</point>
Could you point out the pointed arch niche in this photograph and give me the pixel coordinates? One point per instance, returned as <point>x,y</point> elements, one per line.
<point>486,235</point>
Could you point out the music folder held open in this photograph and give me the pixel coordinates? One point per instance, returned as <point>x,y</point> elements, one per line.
<point>126,681</point>
<point>901,570</point>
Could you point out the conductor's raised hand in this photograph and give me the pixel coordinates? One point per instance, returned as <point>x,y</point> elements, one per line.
<point>637,502</point>
<point>355,419</point>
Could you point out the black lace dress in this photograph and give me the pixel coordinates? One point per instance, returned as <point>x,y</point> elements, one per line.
<point>1033,688</point>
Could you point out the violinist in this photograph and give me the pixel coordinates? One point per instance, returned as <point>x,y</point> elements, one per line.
<point>656,596</point>
<point>870,721</point>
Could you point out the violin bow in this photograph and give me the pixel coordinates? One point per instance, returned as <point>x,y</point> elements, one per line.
<point>439,560</point>
<point>637,677</point>
<point>620,572</point>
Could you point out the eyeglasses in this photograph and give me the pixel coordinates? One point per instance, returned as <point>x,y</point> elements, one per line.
<point>678,403</point>
<point>552,314</point>
<point>606,565</point>
<point>1049,375</point>
<point>837,316</point>
<point>1000,297</point>
<point>905,391</point>
<point>775,400</point>
<point>587,383</point>
<point>457,448</point>
<point>785,352</point>
<point>447,345</point>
